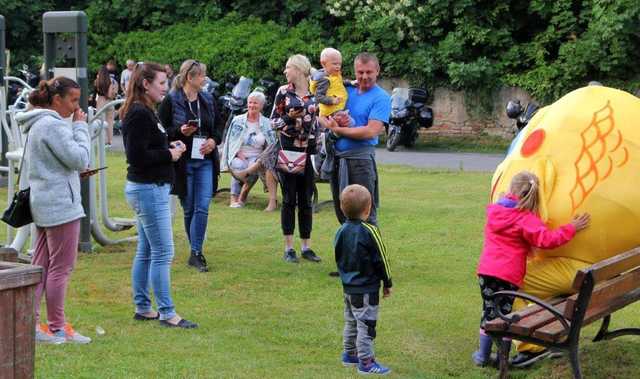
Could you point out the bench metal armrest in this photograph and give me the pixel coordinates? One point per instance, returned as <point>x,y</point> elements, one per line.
<point>515,318</point>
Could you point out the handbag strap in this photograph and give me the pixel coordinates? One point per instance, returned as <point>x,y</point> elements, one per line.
<point>24,152</point>
<point>279,142</point>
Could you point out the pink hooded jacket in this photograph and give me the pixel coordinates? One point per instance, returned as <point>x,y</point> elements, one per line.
<point>509,236</point>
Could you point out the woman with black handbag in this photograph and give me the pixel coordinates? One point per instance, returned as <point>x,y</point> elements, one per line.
<point>57,152</point>
<point>294,118</point>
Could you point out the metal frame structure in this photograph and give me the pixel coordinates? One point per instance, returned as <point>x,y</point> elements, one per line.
<point>55,23</point>
<point>75,23</point>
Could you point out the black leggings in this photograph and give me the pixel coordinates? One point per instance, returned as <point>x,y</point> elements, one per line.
<point>488,286</point>
<point>297,190</point>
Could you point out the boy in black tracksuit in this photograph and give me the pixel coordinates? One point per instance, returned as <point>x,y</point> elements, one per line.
<point>362,262</point>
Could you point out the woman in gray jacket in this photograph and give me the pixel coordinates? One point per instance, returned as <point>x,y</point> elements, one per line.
<point>57,152</point>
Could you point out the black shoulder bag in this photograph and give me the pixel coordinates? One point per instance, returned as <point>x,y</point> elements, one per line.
<point>19,212</point>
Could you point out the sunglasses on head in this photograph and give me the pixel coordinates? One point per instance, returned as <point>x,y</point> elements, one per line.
<point>194,64</point>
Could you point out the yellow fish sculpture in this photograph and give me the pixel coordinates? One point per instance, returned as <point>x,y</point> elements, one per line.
<point>585,149</point>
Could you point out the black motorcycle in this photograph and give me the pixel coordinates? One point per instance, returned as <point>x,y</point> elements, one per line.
<point>235,103</point>
<point>211,87</point>
<point>515,111</point>
<point>408,114</point>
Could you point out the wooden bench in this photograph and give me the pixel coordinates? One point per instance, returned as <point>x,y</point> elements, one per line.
<point>601,290</point>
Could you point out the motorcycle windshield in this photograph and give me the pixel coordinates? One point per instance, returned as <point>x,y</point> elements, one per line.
<point>399,98</point>
<point>242,89</point>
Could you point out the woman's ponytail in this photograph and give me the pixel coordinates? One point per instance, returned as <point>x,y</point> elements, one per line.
<point>43,95</point>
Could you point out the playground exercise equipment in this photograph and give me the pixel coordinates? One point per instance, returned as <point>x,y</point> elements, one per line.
<point>98,142</point>
<point>64,40</point>
<point>57,49</point>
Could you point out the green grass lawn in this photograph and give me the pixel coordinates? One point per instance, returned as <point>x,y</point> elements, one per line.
<point>263,318</point>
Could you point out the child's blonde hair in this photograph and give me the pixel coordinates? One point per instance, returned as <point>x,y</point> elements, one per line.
<point>354,200</point>
<point>525,185</point>
<point>328,52</point>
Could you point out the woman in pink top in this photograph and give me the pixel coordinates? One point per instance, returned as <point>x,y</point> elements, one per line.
<point>513,228</point>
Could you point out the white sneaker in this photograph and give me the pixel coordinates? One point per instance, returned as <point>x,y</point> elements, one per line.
<point>236,205</point>
<point>46,337</point>
<point>71,335</point>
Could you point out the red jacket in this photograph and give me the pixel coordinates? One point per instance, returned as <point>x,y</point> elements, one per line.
<point>509,236</point>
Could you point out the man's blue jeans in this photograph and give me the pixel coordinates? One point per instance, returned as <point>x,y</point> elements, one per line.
<point>152,263</point>
<point>195,204</point>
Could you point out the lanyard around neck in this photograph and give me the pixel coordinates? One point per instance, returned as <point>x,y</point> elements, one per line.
<point>197,107</point>
<point>199,132</point>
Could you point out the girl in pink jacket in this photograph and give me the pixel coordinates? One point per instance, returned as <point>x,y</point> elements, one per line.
<point>513,228</point>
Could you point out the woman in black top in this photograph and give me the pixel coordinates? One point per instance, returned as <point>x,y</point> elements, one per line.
<point>189,114</point>
<point>149,178</point>
<point>294,117</point>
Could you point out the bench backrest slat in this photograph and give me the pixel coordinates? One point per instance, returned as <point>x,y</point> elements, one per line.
<point>554,331</point>
<point>609,268</point>
<point>607,292</point>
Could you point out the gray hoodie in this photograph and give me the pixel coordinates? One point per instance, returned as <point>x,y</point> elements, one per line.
<point>56,151</point>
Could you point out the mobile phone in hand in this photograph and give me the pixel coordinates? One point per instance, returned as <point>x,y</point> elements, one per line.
<point>193,123</point>
<point>88,173</point>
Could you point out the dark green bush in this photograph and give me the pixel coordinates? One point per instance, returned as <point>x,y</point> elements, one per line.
<point>233,45</point>
<point>546,47</point>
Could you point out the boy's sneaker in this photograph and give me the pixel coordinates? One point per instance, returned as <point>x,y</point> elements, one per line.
<point>290,256</point>
<point>310,255</point>
<point>373,368</point>
<point>71,335</point>
<point>349,360</point>
<point>43,335</point>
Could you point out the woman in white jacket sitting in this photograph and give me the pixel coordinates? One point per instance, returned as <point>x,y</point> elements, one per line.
<point>248,137</point>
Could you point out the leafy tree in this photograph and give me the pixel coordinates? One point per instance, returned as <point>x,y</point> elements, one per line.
<point>24,26</point>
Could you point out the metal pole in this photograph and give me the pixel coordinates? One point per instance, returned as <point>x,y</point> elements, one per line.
<point>2,47</point>
<point>3,93</point>
<point>3,59</point>
<point>82,61</point>
<point>3,114</point>
<point>75,22</point>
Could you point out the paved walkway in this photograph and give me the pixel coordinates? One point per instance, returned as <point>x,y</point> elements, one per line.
<point>446,161</point>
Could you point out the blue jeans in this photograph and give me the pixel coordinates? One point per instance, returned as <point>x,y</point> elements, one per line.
<point>195,204</point>
<point>152,263</point>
